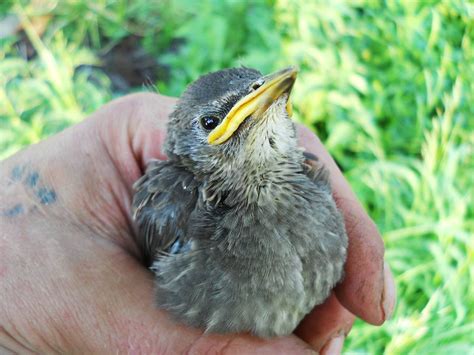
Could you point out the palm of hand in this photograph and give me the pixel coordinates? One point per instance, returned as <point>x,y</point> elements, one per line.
<point>69,275</point>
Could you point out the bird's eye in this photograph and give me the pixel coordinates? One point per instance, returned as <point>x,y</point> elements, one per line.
<point>210,122</point>
<point>256,85</point>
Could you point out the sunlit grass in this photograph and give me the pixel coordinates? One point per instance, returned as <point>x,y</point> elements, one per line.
<point>387,85</point>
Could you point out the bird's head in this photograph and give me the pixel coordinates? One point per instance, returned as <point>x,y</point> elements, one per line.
<point>233,120</point>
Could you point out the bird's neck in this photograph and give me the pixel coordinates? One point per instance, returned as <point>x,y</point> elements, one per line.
<point>253,181</point>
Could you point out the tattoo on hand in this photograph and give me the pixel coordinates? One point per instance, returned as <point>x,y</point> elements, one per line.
<point>31,179</point>
<point>14,211</point>
<point>17,173</point>
<point>46,196</point>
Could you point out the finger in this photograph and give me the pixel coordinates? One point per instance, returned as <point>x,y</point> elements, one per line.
<point>149,125</point>
<point>368,289</point>
<point>326,326</point>
<point>132,130</point>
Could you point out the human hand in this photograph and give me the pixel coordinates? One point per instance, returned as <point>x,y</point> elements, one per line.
<point>70,277</point>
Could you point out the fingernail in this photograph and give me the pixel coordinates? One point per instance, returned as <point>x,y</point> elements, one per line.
<point>389,292</point>
<point>334,346</point>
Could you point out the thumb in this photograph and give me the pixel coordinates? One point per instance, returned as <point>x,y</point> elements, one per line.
<point>133,130</point>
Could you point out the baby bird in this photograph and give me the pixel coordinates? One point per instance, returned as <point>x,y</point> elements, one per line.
<point>240,230</point>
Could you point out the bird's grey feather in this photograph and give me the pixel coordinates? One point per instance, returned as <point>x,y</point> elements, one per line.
<point>165,197</point>
<point>264,241</point>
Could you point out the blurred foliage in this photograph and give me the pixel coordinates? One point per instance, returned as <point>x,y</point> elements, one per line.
<point>387,85</point>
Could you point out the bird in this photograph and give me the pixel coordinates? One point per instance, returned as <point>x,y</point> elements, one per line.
<point>238,225</point>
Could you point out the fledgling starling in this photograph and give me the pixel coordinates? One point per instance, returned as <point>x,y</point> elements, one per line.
<point>242,233</point>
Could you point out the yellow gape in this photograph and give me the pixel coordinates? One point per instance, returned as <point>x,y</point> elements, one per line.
<point>256,102</point>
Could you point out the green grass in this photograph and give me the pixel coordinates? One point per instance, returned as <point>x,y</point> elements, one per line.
<point>387,85</point>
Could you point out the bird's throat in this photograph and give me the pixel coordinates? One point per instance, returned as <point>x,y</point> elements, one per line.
<point>254,181</point>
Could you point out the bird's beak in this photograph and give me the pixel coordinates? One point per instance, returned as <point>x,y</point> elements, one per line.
<point>257,102</point>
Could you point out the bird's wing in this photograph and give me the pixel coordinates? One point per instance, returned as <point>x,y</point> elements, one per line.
<point>164,199</point>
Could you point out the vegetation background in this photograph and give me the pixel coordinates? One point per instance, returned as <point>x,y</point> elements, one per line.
<point>388,86</point>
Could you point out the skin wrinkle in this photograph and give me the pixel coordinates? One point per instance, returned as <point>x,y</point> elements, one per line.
<point>145,338</point>
<point>121,203</point>
<point>338,320</point>
<point>226,345</point>
<point>5,351</point>
<point>246,344</point>
<point>103,319</point>
<point>37,341</point>
<point>52,346</point>
<point>194,344</point>
<point>65,341</point>
<point>13,341</point>
<point>333,346</point>
<point>56,338</point>
<point>90,218</point>
<point>28,325</point>
<point>134,344</point>
<point>93,204</point>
